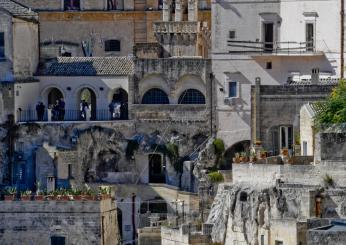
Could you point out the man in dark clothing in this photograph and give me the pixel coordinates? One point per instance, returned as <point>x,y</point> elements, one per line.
<point>61,109</point>
<point>40,111</point>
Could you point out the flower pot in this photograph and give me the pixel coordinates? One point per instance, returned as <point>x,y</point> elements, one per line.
<point>10,197</point>
<point>25,198</point>
<point>77,198</point>
<point>63,198</point>
<point>39,198</point>
<point>253,159</point>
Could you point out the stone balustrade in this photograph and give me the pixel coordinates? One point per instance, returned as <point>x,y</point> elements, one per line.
<point>182,27</point>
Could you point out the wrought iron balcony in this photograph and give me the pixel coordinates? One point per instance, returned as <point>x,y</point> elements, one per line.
<point>275,48</point>
<point>182,27</point>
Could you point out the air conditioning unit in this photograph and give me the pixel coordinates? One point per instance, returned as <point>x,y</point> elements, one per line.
<point>230,101</point>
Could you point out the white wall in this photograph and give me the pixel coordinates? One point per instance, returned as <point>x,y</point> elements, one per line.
<point>306,130</point>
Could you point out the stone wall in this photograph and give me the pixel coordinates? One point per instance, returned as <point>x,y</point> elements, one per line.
<point>268,174</point>
<point>80,222</point>
<point>326,237</point>
<point>280,106</point>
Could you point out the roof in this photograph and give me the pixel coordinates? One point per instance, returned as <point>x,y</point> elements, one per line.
<point>326,81</point>
<point>90,66</point>
<point>18,10</point>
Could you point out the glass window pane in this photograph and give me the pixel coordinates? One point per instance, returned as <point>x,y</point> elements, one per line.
<point>232,89</point>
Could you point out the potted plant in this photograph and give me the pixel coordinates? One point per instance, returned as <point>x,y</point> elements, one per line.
<point>263,154</point>
<point>88,193</point>
<point>25,195</point>
<point>76,194</point>
<point>236,158</point>
<point>284,152</point>
<point>105,192</point>
<point>10,194</point>
<point>243,157</point>
<point>253,157</point>
<point>39,196</point>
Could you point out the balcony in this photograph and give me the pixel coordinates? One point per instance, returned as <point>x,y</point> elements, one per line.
<point>70,116</point>
<point>289,48</point>
<point>181,27</point>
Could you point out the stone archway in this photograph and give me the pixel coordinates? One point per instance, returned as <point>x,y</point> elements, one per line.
<point>54,95</point>
<point>88,96</point>
<point>242,146</point>
<point>120,96</point>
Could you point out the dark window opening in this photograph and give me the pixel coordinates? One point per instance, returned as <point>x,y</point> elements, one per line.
<point>232,34</point>
<point>156,169</point>
<point>243,196</point>
<point>262,239</point>
<point>191,96</point>
<point>232,89</point>
<point>156,205</point>
<point>70,171</point>
<point>66,54</point>
<point>279,242</point>
<point>310,37</point>
<point>269,65</point>
<point>2,45</point>
<point>268,37</point>
<point>111,4</point>
<point>71,4</point>
<point>155,96</point>
<point>112,45</point>
<point>57,240</point>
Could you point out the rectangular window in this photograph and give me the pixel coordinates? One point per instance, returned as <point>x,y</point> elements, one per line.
<point>2,45</point>
<point>232,34</point>
<point>232,89</point>
<point>262,239</point>
<point>279,242</point>
<point>71,4</point>
<point>57,240</point>
<point>70,171</point>
<point>111,4</point>
<point>112,45</point>
<point>305,148</point>
<point>310,36</point>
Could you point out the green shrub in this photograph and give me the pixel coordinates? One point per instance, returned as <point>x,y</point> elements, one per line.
<point>219,146</point>
<point>328,180</point>
<point>215,177</point>
<point>333,110</point>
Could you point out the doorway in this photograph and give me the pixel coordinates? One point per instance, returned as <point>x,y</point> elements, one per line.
<point>310,37</point>
<point>268,35</point>
<point>89,97</point>
<point>120,96</point>
<point>156,169</point>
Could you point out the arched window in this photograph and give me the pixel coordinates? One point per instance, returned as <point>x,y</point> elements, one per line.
<point>155,96</point>
<point>191,96</point>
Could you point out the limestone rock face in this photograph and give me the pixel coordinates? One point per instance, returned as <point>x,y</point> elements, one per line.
<point>240,210</point>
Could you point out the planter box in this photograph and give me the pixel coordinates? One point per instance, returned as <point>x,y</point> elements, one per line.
<point>25,198</point>
<point>39,198</point>
<point>10,197</point>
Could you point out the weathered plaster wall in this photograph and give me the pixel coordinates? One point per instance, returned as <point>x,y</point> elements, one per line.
<point>6,65</point>
<point>79,222</point>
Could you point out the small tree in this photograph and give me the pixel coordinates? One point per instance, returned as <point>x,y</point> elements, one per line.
<point>333,110</point>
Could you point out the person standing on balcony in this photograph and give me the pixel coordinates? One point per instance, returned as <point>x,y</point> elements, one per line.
<point>40,107</point>
<point>61,109</point>
<point>111,109</point>
<point>84,106</point>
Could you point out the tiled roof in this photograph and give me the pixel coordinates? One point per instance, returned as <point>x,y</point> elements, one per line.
<point>326,81</point>
<point>90,66</point>
<point>18,10</point>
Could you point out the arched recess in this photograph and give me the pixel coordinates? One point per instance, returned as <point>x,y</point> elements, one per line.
<point>189,82</point>
<point>54,95</point>
<point>155,96</point>
<point>88,95</point>
<point>151,81</point>
<point>191,96</point>
<point>242,146</point>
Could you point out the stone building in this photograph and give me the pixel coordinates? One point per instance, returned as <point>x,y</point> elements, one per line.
<point>279,42</point>
<point>58,222</point>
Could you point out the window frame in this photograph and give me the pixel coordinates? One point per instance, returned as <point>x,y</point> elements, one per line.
<point>157,97</point>
<point>192,96</point>
<point>229,82</point>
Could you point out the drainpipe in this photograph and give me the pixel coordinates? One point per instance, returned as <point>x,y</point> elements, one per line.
<point>211,104</point>
<point>342,38</point>
<point>133,219</point>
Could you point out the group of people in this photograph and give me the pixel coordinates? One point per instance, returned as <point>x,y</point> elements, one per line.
<point>57,109</point>
<point>118,110</point>
<point>83,107</point>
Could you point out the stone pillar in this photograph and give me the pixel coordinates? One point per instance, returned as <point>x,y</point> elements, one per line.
<point>256,134</point>
<point>193,10</point>
<point>166,10</point>
<point>179,10</point>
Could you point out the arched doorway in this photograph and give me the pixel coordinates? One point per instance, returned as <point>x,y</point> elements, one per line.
<point>156,169</point>
<point>88,96</point>
<point>54,95</point>
<point>242,146</point>
<point>120,96</point>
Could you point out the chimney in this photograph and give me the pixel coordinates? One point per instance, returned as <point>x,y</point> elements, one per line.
<point>315,76</point>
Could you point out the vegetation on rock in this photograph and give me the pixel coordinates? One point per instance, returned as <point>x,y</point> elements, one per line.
<point>215,177</point>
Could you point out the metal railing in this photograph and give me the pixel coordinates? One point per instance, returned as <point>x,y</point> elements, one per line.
<point>272,47</point>
<point>70,115</point>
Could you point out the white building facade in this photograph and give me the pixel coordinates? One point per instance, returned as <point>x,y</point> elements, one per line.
<point>280,42</point>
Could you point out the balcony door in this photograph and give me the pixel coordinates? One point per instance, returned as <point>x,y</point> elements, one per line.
<point>310,36</point>
<point>268,36</point>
